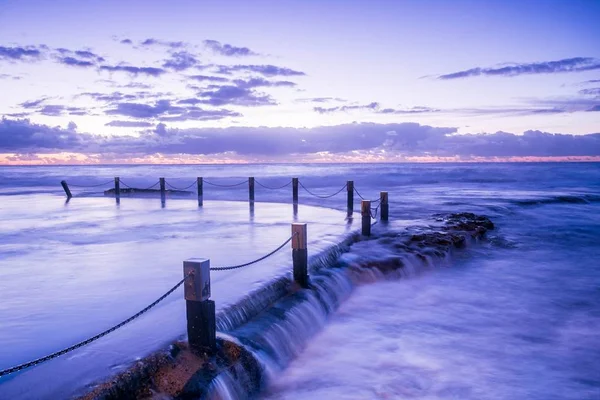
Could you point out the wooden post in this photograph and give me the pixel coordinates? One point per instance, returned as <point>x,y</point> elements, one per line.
<point>350,187</point>
<point>117,187</point>
<point>251,189</point>
<point>66,189</point>
<point>162,190</point>
<point>385,208</point>
<point>201,318</point>
<point>295,190</point>
<point>365,210</point>
<point>300,254</point>
<point>200,192</point>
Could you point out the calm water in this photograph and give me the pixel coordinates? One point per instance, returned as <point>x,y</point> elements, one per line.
<point>517,318</point>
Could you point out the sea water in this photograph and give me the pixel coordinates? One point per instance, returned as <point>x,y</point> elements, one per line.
<point>517,317</point>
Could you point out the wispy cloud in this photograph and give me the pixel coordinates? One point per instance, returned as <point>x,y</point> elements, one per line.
<point>576,64</point>
<point>203,78</point>
<point>180,61</point>
<point>370,106</point>
<point>235,95</point>
<point>261,82</point>
<point>320,100</point>
<point>265,70</point>
<point>129,124</point>
<point>150,71</point>
<point>228,50</point>
<point>157,42</point>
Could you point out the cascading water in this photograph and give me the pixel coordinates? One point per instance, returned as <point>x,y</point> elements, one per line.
<point>279,334</point>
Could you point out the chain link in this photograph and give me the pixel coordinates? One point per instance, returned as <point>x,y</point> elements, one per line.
<point>92,339</point>
<point>90,186</point>
<point>322,197</point>
<point>225,186</point>
<point>254,261</point>
<point>131,187</point>
<point>176,188</point>
<point>362,198</point>
<point>272,188</point>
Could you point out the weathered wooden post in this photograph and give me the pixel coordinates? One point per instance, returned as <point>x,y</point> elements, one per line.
<point>350,187</point>
<point>295,190</point>
<point>200,192</point>
<point>385,208</point>
<point>162,190</point>
<point>300,254</point>
<point>251,189</point>
<point>66,189</point>
<point>201,319</point>
<point>117,187</point>
<point>365,210</point>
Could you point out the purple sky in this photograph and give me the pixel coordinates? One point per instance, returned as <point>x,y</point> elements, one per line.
<point>201,81</point>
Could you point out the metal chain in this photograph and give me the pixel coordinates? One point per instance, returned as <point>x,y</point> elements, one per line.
<point>90,186</point>
<point>176,188</point>
<point>225,186</point>
<point>131,187</point>
<point>374,216</point>
<point>272,188</point>
<point>362,198</point>
<point>92,339</point>
<point>255,261</point>
<point>322,197</point>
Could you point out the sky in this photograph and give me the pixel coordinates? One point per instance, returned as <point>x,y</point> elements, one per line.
<point>193,81</point>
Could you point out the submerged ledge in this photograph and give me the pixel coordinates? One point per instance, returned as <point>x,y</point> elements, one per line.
<point>247,344</point>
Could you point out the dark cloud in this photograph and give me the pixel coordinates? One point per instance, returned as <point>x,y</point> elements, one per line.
<point>265,70</point>
<point>595,108</point>
<point>261,82</point>
<point>234,95</point>
<point>19,53</point>
<point>409,139</point>
<point>139,110</point>
<point>129,124</point>
<point>57,109</point>
<point>203,78</point>
<point>371,106</point>
<point>165,111</point>
<point>71,61</point>
<point>576,64</point>
<point>25,136</point>
<point>151,71</point>
<point>156,42</point>
<point>33,103</point>
<point>227,49</point>
<point>180,61</point>
<point>126,41</point>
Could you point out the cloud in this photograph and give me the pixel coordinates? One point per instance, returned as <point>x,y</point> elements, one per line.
<point>399,139</point>
<point>19,53</point>
<point>228,50</point>
<point>234,95</point>
<point>320,100</point>
<point>129,124</point>
<point>576,64</point>
<point>590,92</point>
<point>261,82</point>
<point>180,61</point>
<point>33,103</point>
<point>71,61</point>
<point>126,41</point>
<point>371,106</point>
<point>25,136</point>
<point>165,111</point>
<point>13,77</point>
<point>265,70</point>
<point>595,108</point>
<point>57,109</point>
<point>412,110</point>
<point>156,42</point>
<point>150,71</point>
<point>203,78</point>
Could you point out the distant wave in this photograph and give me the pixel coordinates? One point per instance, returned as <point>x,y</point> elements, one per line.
<point>562,199</point>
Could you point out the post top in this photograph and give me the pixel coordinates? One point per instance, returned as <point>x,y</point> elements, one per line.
<point>196,260</point>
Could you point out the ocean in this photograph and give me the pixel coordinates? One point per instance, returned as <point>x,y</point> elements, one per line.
<point>515,317</point>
